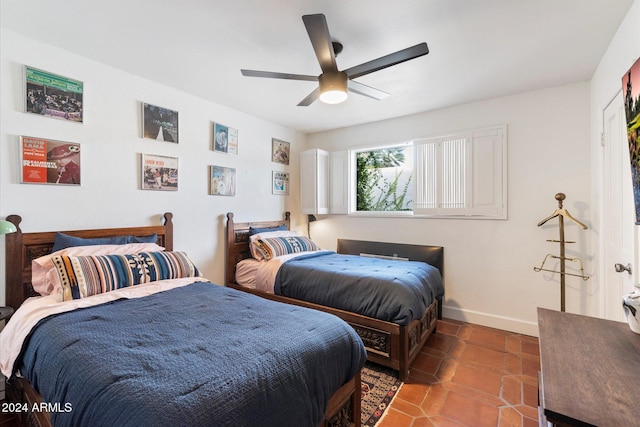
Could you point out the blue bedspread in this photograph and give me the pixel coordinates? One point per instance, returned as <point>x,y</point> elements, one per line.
<point>200,355</point>
<point>391,290</point>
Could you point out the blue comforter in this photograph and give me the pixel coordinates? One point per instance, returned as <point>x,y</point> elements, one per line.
<point>391,290</point>
<point>199,355</point>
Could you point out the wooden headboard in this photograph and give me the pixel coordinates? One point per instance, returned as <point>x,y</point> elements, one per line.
<point>432,255</point>
<point>238,241</point>
<point>22,248</point>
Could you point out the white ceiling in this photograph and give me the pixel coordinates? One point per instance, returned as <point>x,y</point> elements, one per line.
<point>479,49</point>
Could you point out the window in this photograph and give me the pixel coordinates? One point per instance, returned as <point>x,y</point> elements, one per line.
<point>384,180</point>
<point>462,174</point>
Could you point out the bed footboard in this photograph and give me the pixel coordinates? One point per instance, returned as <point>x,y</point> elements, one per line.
<point>343,408</point>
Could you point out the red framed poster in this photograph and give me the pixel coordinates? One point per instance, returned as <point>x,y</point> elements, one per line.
<point>45,161</point>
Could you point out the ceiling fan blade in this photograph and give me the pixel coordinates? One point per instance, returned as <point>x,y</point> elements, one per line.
<point>388,60</point>
<point>272,75</point>
<point>321,40</point>
<point>365,90</point>
<point>313,96</point>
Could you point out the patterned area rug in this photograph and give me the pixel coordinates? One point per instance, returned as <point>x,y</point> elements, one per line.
<point>379,387</point>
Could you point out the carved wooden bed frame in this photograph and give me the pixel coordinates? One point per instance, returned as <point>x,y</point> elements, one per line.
<point>22,248</point>
<point>387,343</point>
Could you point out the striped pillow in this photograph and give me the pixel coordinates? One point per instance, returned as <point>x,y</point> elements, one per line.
<point>83,276</point>
<point>277,246</point>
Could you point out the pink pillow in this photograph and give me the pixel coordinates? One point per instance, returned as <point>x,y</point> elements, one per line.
<point>44,276</point>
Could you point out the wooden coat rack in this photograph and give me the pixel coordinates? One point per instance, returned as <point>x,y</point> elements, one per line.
<point>562,213</point>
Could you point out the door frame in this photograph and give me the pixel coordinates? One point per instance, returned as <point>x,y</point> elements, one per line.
<point>611,291</point>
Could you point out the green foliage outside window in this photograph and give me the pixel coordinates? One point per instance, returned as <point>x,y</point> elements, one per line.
<point>374,191</point>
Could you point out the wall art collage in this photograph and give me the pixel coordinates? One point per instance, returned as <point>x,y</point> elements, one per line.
<point>48,161</point>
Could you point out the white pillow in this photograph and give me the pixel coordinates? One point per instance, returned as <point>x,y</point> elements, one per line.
<point>44,276</point>
<point>254,247</point>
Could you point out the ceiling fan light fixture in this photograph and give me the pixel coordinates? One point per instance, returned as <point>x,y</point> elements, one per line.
<point>333,87</point>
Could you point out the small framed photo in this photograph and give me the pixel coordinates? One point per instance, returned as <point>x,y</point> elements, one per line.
<point>280,183</point>
<point>225,139</point>
<point>45,161</point>
<point>222,181</point>
<point>51,95</point>
<point>280,151</point>
<point>159,123</point>
<point>159,172</point>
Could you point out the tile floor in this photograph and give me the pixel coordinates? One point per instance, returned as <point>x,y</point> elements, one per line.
<point>470,375</point>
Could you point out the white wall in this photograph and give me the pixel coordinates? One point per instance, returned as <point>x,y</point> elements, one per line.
<point>489,263</point>
<point>110,142</point>
<point>553,147</point>
<point>621,54</point>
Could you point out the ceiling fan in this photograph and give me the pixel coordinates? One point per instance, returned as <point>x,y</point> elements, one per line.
<point>333,83</point>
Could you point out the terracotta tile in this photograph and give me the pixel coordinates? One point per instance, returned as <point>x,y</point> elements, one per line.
<point>514,344</point>
<point>528,411</point>
<point>512,390</point>
<point>422,422</point>
<point>439,342</point>
<point>483,356</point>
<point>485,381</point>
<point>512,364</point>
<point>416,376</point>
<point>530,394</point>
<point>432,404</point>
<point>493,338</point>
<point>413,393</point>
<point>527,379</point>
<point>530,347</point>
<point>470,376</point>
<point>509,417</point>
<point>447,370</point>
<point>441,421</point>
<point>448,328</point>
<point>452,321</point>
<point>407,408</point>
<point>457,348</point>
<point>469,411</point>
<point>530,422</point>
<point>427,363</point>
<point>530,367</point>
<point>465,331</point>
<point>393,418</point>
<point>474,394</point>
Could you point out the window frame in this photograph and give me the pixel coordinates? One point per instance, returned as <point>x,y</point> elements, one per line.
<point>487,143</point>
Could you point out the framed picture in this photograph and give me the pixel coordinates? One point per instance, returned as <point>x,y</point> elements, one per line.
<point>280,183</point>
<point>222,181</point>
<point>45,161</point>
<point>159,173</point>
<point>631,92</point>
<point>280,151</point>
<point>159,123</point>
<point>225,139</point>
<point>51,95</point>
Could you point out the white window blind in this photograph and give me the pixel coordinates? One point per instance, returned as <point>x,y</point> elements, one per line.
<point>462,174</point>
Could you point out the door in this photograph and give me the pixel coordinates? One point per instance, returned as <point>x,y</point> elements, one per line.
<point>618,213</point>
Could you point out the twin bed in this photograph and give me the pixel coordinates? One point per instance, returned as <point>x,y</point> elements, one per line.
<point>392,302</point>
<point>172,350</point>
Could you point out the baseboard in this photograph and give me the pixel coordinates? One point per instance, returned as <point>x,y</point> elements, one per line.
<point>491,320</point>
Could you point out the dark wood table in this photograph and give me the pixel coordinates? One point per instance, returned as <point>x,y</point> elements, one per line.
<point>590,370</point>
